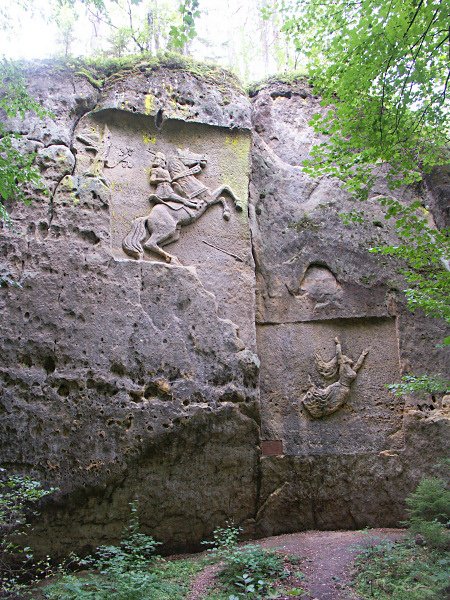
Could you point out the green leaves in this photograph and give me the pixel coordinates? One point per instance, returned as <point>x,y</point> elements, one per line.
<point>422,384</point>
<point>404,571</point>
<point>430,501</point>
<point>425,252</point>
<point>248,570</point>
<point>384,67</point>
<point>17,494</point>
<point>14,97</point>
<point>181,35</point>
<point>129,571</point>
<point>17,171</point>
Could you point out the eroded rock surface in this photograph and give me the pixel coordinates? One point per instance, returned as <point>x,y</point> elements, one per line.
<point>316,282</point>
<point>129,377</point>
<point>107,360</point>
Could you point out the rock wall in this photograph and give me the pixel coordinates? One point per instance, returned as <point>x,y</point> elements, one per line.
<point>162,354</point>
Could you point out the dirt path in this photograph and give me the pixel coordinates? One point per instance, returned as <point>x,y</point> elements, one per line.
<point>326,559</point>
<point>204,581</point>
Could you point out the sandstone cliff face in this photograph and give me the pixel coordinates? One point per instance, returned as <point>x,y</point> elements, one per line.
<point>317,281</point>
<point>126,378</point>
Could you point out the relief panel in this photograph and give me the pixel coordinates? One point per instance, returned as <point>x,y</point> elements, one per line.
<point>178,195</point>
<point>323,386</point>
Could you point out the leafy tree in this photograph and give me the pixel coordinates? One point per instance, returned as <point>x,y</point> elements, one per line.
<point>65,17</point>
<point>149,28</point>
<point>384,66</point>
<point>17,171</point>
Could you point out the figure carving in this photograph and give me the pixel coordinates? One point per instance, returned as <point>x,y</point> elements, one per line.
<point>179,199</point>
<point>320,402</point>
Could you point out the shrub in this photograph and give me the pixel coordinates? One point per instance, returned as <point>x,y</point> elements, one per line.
<point>252,569</point>
<point>414,569</point>
<point>19,497</point>
<point>429,512</point>
<point>134,552</point>
<point>249,570</point>
<point>132,585</point>
<point>430,501</point>
<point>224,543</point>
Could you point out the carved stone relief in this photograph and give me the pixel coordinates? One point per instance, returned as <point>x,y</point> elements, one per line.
<point>351,411</point>
<point>320,402</point>
<point>177,184</point>
<point>179,198</point>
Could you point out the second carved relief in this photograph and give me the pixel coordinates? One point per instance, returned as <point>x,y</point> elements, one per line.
<point>323,386</point>
<point>323,401</point>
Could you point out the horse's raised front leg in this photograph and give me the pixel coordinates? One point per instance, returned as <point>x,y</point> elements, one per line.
<point>224,188</point>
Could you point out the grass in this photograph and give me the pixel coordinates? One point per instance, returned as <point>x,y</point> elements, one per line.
<point>163,580</point>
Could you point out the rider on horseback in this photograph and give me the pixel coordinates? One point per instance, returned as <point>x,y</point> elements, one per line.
<point>163,225</point>
<point>165,194</point>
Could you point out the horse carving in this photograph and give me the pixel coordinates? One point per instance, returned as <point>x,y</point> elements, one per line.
<point>179,199</point>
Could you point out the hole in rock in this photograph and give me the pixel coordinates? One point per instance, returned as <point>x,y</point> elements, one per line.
<point>159,119</point>
<point>49,363</point>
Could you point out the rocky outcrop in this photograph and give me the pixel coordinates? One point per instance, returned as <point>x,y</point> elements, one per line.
<point>316,282</point>
<point>163,376</point>
<point>119,373</point>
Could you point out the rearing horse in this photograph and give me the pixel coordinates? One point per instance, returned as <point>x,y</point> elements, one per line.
<point>162,226</point>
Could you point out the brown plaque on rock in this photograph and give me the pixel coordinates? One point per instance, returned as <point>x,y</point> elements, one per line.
<point>272,447</point>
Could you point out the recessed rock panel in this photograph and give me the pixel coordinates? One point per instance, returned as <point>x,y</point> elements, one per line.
<point>210,233</point>
<point>368,417</point>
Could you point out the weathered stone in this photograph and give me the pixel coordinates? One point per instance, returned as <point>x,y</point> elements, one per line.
<point>165,93</point>
<point>438,183</point>
<point>54,163</point>
<point>64,94</point>
<point>128,377</point>
<point>371,418</point>
<point>185,481</point>
<point>346,491</point>
<point>105,357</point>
<point>316,281</point>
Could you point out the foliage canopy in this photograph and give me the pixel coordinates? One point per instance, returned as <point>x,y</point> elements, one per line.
<point>385,68</point>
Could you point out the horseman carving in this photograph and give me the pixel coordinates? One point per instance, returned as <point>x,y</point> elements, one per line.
<point>179,198</point>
